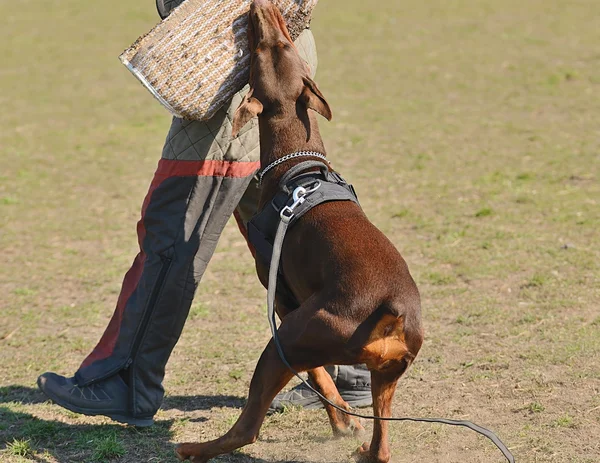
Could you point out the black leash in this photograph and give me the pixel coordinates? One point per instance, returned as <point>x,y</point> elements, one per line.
<point>285,216</point>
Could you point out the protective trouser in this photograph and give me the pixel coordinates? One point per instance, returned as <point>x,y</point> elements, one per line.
<point>200,181</point>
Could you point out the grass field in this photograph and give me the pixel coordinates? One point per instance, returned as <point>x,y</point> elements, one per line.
<point>471,130</point>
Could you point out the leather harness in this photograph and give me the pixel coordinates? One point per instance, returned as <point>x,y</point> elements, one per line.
<point>319,187</point>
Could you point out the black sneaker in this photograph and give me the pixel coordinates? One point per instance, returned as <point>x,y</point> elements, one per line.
<point>164,7</point>
<point>109,397</point>
<point>353,384</point>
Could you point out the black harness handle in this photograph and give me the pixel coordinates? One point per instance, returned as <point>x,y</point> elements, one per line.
<point>301,167</point>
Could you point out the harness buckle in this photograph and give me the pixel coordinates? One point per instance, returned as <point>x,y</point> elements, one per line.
<point>298,197</point>
<point>286,214</point>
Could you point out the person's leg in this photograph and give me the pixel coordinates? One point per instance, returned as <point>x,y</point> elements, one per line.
<point>198,183</point>
<point>199,180</point>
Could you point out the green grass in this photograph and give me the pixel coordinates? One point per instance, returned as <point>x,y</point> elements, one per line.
<point>536,407</point>
<point>470,131</point>
<point>108,448</point>
<point>40,430</point>
<point>565,421</point>
<point>484,212</point>
<point>19,448</point>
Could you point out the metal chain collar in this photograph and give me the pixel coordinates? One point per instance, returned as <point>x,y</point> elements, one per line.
<point>261,173</point>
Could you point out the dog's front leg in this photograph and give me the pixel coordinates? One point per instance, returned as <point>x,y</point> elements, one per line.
<point>270,376</point>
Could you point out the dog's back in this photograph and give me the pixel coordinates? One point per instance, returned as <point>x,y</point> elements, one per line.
<point>336,250</point>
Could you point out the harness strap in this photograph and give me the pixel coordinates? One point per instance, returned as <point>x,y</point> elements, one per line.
<point>273,271</point>
<point>295,170</point>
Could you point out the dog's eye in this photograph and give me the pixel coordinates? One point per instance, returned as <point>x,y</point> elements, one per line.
<point>283,45</point>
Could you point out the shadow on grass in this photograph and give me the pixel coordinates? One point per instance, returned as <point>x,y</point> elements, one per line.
<point>202,402</point>
<point>52,440</point>
<point>22,394</point>
<point>31,396</point>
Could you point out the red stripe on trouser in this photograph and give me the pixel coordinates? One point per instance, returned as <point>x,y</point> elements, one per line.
<point>167,168</point>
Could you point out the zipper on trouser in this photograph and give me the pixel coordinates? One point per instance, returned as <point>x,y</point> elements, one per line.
<point>156,290</point>
<point>166,264</point>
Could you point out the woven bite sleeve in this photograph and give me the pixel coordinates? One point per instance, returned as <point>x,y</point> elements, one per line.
<point>211,140</point>
<point>197,58</point>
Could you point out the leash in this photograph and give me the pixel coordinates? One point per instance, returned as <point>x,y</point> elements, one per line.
<point>299,196</point>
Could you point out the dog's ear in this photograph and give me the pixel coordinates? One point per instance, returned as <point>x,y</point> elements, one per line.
<point>249,107</point>
<point>314,99</point>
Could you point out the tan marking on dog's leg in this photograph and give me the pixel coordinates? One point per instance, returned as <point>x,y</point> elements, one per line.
<point>386,344</point>
<point>341,423</point>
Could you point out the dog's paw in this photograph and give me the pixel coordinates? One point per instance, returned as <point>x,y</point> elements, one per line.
<point>357,428</point>
<point>362,454</point>
<point>344,425</point>
<point>351,426</point>
<point>179,452</point>
<point>190,452</point>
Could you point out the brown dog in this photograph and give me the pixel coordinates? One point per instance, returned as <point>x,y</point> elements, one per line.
<point>359,303</point>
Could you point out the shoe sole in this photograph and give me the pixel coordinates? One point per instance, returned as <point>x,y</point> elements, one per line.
<point>139,422</point>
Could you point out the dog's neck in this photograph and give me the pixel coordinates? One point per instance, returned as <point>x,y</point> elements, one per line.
<point>282,135</point>
<point>285,134</point>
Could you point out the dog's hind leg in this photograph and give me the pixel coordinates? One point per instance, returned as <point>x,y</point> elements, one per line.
<point>383,386</point>
<point>389,351</point>
<point>297,335</point>
<point>341,423</point>
<point>269,378</point>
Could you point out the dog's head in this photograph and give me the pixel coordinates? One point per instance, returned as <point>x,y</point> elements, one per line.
<point>279,78</point>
